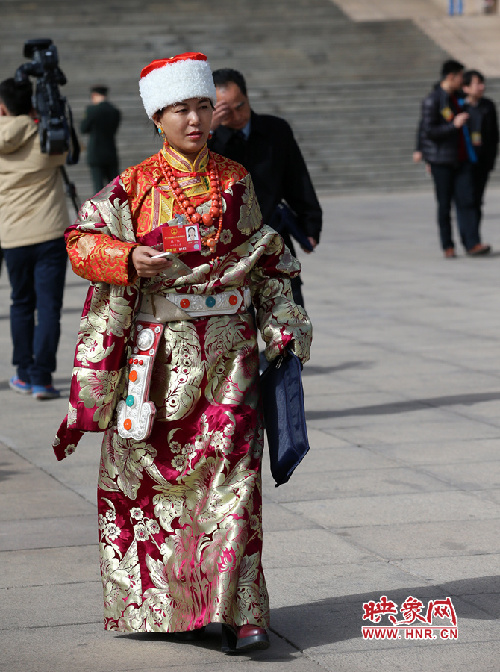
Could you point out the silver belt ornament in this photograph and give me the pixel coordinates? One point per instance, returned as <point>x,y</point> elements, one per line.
<point>136,413</point>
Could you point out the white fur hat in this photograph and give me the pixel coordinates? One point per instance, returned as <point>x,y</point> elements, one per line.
<point>172,80</point>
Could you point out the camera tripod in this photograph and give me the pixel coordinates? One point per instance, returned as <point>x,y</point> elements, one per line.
<point>70,189</point>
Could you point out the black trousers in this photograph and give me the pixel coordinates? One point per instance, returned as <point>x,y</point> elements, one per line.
<point>455,184</point>
<point>102,175</point>
<point>36,274</point>
<point>297,291</point>
<point>480,175</point>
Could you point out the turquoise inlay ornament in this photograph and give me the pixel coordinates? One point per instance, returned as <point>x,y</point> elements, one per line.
<point>130,400</point>
<point>210,301</point>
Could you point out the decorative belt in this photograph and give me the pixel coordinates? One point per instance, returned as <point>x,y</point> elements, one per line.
<point>136,413</point>
<point>228,302</point>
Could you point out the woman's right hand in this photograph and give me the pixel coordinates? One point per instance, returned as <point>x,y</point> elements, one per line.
<point>145,265</point>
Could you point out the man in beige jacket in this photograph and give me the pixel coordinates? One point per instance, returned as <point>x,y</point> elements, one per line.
<point>33,217</point>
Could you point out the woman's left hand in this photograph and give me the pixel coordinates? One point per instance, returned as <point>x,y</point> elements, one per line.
<point>145,265</point>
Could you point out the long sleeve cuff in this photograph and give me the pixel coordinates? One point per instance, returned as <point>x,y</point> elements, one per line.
<point>100,258</point>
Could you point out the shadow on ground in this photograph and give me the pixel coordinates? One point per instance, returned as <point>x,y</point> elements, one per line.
<point>406,406</point>
<point>6,473</point>
<point>310,370</point>
<point>337,619</point>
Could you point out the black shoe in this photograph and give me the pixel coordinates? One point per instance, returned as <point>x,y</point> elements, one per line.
<point>229,640</point>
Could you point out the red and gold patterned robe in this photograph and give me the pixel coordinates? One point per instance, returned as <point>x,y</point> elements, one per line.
<point>180,513</point>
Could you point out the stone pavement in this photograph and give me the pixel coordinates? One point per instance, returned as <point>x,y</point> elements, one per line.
<point>399,496</point>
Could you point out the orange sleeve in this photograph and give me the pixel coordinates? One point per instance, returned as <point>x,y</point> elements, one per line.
<point>100,258</point>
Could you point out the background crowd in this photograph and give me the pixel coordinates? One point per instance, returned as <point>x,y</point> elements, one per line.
<point>458,139</point>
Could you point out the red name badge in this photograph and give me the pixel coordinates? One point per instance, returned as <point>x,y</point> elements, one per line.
<point>181,236</point>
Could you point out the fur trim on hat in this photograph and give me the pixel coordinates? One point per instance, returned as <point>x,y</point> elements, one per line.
<point>174,82</point>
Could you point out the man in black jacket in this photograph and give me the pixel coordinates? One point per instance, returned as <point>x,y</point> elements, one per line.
<point>101,122</point>
<point>483,126</point>
<point>446,146</point>
<point>266,147</point>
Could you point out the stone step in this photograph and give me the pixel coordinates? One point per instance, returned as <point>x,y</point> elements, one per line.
<point>351,91</point>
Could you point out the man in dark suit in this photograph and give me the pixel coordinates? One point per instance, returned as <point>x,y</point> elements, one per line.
<point>483,126</point>
<point>266,147</point>
<point>101,122</point>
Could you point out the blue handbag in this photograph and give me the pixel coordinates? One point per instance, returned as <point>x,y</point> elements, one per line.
<point>284,415</point>
<point>284,220</point>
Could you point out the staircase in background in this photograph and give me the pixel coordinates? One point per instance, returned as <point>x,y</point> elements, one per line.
<point>351,91</point>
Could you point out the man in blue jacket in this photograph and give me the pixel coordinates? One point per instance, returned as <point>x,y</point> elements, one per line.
<point>447,147</point>
<point>483,126</point>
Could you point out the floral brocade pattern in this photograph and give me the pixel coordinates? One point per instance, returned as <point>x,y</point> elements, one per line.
<point>98,256</point>
<point>180,513</point>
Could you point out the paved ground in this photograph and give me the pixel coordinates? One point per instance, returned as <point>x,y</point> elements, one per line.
<point>399,496</point>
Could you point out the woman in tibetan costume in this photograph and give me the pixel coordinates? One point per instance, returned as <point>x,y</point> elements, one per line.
<point>167,366</point>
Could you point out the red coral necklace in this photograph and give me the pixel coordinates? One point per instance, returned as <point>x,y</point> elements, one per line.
<point>188,209</point>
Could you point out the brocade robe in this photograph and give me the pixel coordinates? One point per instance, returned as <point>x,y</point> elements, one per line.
<point>180,520</point>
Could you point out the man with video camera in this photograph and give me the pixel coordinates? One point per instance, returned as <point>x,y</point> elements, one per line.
<point>33,217</point>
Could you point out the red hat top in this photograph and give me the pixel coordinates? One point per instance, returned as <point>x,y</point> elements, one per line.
<point>160,62</point>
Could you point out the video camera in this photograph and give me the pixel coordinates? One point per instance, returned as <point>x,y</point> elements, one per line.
<point>56,130</point>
